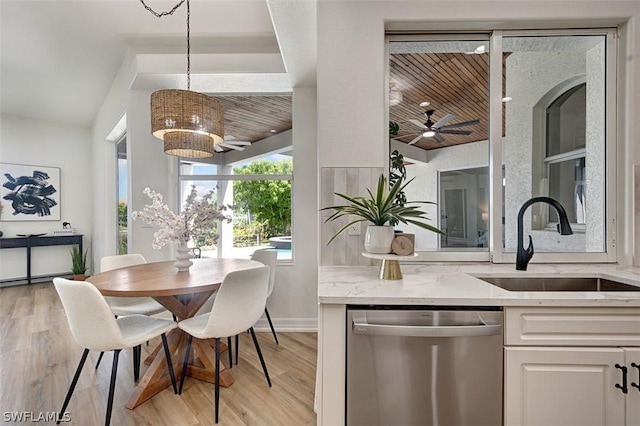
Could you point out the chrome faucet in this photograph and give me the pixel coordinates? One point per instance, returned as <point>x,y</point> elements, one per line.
<point>523,256</point>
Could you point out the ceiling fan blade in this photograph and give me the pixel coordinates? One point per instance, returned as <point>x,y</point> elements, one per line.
<point>417,123</point>
<point>438,138</point>
<point>415,140</point>
<point>455,132</point>
<point>228,145</point>
<point>245,143</point>
<point>412,134</point>
<point>462,124</point>
<point>217,148</point>
<point>444,120</point>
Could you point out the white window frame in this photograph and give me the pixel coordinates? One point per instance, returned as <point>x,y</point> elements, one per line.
<point>231,178</point>
<point>557,159</point>
<point>497,253</point>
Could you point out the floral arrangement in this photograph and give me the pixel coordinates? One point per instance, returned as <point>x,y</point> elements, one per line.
<point>197,219</point>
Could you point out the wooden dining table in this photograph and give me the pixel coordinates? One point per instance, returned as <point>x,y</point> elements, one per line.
<point>183,294</point>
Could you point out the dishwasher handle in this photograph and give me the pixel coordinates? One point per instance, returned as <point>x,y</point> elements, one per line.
<point>427,331</point>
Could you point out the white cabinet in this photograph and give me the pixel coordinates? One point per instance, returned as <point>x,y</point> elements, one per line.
<point>633,397</point>
<point>566,367</point>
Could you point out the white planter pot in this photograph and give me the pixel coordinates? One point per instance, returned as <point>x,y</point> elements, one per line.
<point>378,239</point>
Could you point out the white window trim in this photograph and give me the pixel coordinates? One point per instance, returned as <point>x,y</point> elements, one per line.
<point>231,177</point>
<point>497,253</point>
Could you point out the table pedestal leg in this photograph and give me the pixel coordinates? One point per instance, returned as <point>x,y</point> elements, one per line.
<point>201,366</point>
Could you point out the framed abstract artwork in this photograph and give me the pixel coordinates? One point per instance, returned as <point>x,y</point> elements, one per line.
<point>29,193</point>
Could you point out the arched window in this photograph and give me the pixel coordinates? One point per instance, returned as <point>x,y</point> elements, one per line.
<point>565,153</point>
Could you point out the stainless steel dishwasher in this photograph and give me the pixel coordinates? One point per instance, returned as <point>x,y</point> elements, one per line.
<point>427,366</point>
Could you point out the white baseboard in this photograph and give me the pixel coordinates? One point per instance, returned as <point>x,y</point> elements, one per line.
<point>300,325</point>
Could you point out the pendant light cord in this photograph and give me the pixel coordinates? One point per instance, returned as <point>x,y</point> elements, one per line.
<point>170,12</point>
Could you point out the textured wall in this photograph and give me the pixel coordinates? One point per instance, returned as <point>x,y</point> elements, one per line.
<point>529,88</point>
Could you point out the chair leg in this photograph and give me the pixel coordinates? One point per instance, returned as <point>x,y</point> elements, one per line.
<point>217,385</point>
<point>237,348</point>
<point>99,359</point>
<point>273,330</point>
<point>169,363</point>
<point>264,366</point>
<point>112,386</point>
<point>137,354</point>
<point>73,384</point>
<point>230,352</point>
<point>184,364</point>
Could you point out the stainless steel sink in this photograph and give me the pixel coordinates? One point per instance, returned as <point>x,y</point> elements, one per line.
<point>558,284</point>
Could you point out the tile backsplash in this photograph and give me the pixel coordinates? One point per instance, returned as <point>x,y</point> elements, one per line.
<point>345,250</point>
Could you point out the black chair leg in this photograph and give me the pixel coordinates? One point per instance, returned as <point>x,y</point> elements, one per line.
<point>137,353</point>
<point>230,352</point>
<point>217,385</point>
<point>99,359</point>
<point>184,364</point>
<point>112,386</point>
<point>169,363</point>
<point>237,348</point>
<point>264,366</point>
<point>73,384</point>
<point>273,330</point>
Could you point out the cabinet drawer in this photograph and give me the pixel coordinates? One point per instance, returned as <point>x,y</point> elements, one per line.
<point>572,326</point>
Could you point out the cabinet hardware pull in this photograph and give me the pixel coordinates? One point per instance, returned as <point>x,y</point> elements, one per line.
<point>636,385</point>
<point>623,388</point>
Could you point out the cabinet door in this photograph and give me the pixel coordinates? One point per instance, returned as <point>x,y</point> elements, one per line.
<point>632,355</point>
<point>556,386</point>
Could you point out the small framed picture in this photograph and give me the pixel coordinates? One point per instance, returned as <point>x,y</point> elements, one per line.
<point>29,193</point>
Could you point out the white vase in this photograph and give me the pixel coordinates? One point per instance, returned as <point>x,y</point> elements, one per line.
<point>183,262</point>
<point>378,239</point>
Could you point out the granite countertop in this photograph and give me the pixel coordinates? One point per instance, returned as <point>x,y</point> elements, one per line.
<point>456,284</point>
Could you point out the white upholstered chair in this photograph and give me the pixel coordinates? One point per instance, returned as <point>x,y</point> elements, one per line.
<point>270,258</point>
<point>121,306</point>
<point>129,305</point>
<point>239,303</point>
<point>94,327</point>
<point>267,257</point>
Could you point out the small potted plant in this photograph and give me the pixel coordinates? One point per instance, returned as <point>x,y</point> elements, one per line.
<point>78,263</point>
<point>380,209</point>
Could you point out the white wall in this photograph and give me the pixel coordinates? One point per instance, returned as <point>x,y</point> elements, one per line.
<point>425,186</point>
<point>294,302</point>
<point>352,124</point>
<point>26,141</point>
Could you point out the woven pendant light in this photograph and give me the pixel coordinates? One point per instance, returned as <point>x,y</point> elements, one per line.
<point>189,123</point>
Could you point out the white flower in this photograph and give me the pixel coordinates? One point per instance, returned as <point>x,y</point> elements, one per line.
<point>197,219</point>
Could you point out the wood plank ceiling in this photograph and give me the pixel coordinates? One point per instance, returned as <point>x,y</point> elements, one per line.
<point>453,83</point>
<point>255,117</point>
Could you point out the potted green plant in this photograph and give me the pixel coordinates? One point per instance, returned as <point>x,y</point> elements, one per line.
<point>78,263</point>
<point>380,209</point>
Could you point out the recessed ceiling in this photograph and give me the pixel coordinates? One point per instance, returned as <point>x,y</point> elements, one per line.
<point>253,117</point>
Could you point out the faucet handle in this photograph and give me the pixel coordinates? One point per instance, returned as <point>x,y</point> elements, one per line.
<point>530,248</point>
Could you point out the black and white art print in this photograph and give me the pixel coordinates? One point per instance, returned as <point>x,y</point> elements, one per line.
<point>29,193</point>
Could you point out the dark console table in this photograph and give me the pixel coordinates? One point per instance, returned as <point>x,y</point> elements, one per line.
<point>40,241</point>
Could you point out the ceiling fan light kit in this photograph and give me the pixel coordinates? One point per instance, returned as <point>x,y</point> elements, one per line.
<point>434,130</point>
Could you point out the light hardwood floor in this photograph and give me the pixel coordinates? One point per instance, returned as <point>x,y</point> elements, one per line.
<point>38,358</point>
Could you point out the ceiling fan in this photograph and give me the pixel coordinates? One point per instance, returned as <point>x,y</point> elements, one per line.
<point>231,142</point>
<point>431,129</point>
